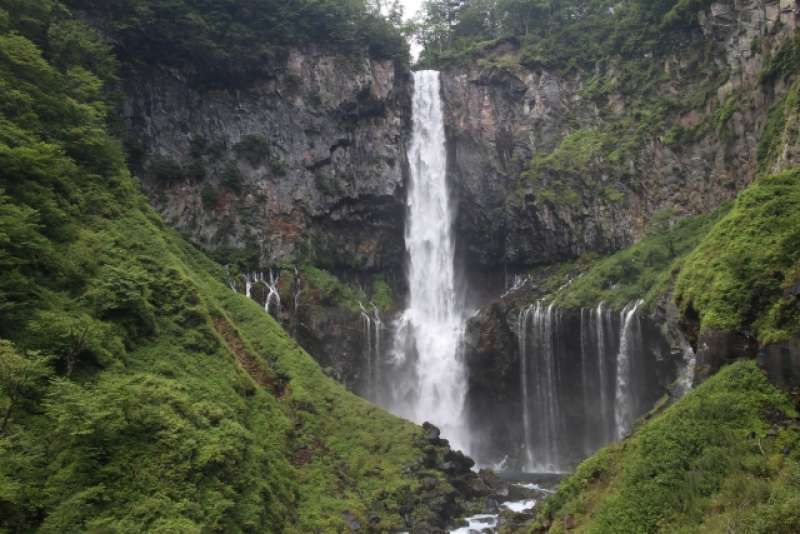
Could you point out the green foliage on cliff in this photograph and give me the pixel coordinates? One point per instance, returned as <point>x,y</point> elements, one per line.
<point>560,35</point>
<point>137,391</point>
<point>726,458</point>
<point>780,130</point>
<point>221,39</point>
<point>744,274</point>
<point>646,269</point>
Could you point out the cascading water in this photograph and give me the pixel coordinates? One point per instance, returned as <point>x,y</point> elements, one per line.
<point>583,381</point>
<point>524,316</point>
<point>372,328</point>
<point>602,319</point>
<point>272,299</point>
<point>430,384</point>
<point>540,388</point>
<point>630,343</point>
<point>273,302</point>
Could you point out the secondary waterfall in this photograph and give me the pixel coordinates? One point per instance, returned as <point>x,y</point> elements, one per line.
<point>585,375</point>
<point>429,384</point>
<point>540,388</point>
<point>372,326</point>
<point>630,342</point>
<point>258,287</point>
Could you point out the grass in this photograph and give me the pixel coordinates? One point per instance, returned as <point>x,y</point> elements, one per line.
<point>738,277</point>
<point>724,457</point>
<point>644,270</point>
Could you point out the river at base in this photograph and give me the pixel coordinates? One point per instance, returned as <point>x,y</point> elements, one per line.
<point>539,484</point>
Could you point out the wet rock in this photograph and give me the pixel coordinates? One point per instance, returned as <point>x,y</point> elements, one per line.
<point>431,433</point>
<point>716,348</point>
<point>490,505</point>
<point>781,362</point>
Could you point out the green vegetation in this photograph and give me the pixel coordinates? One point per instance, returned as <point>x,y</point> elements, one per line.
<point>137,391</point>
<point>735,268</point>
<point>644,270</point>
<point>726,458</point>
<point>559,34</point>
<point>229,40</point>
<point>780,129</point>
<point>739,276</point>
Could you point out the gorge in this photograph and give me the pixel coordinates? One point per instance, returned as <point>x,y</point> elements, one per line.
<point>262,272</point>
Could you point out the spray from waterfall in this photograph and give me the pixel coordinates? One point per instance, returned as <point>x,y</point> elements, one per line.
<point>429,382</point>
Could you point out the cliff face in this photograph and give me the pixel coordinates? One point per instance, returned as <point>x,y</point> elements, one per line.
<point>545,168</point>
<point>307,164</point>
<point>597,186</point>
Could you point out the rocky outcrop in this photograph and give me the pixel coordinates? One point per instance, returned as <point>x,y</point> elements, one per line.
<point>306,164</point>
<point>500,116</point>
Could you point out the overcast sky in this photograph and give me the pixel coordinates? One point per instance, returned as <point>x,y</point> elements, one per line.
<point>411,7</point>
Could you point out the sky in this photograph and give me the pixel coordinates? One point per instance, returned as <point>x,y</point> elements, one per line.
<point>410,7</point>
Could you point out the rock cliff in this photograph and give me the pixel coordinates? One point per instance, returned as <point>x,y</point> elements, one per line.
<point>306,164</point>
<point>609,155</point>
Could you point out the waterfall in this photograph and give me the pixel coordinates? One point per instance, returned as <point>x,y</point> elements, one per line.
<point>629,344</point>
<point>539,381</point>
<point>274,296</point>
<point>582,381</point>
<point>586,380</point>
<point>601,318</point>
<point>522,328</point>
<point>272,302</point>
<point>430,384</point>
<point>372,328</point>
<point>248,285</point>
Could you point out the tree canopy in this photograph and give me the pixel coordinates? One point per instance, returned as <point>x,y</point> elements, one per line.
<point>220,38</point>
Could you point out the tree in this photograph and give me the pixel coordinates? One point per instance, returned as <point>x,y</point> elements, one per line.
<point>21,377</point>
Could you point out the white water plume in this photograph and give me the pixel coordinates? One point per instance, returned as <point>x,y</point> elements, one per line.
<point>429,333</point>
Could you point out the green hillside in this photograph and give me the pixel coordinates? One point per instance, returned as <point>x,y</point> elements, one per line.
<point>726,458</point>
<point>137,391</point>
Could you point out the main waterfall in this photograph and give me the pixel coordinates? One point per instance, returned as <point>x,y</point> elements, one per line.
<point>429,384</point>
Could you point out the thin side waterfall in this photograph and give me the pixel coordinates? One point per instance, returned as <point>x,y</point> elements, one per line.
<point>539,381</point>
<point>372,328</point>
<point>629,345</point>
<point>430,383</point>
<point>273,302</point>
<point>586,382</point>
<point>524,316</point>
<point>605,403</point>
<point>271,294</point>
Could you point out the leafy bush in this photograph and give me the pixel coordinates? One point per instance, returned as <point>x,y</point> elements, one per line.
<point>644,270</point>
<point>165,169</point>
<point>737,276</point>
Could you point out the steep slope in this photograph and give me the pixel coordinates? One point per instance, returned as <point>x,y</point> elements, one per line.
<point>273,135</point>
<point>137,391</point>
<point>723,459</point>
